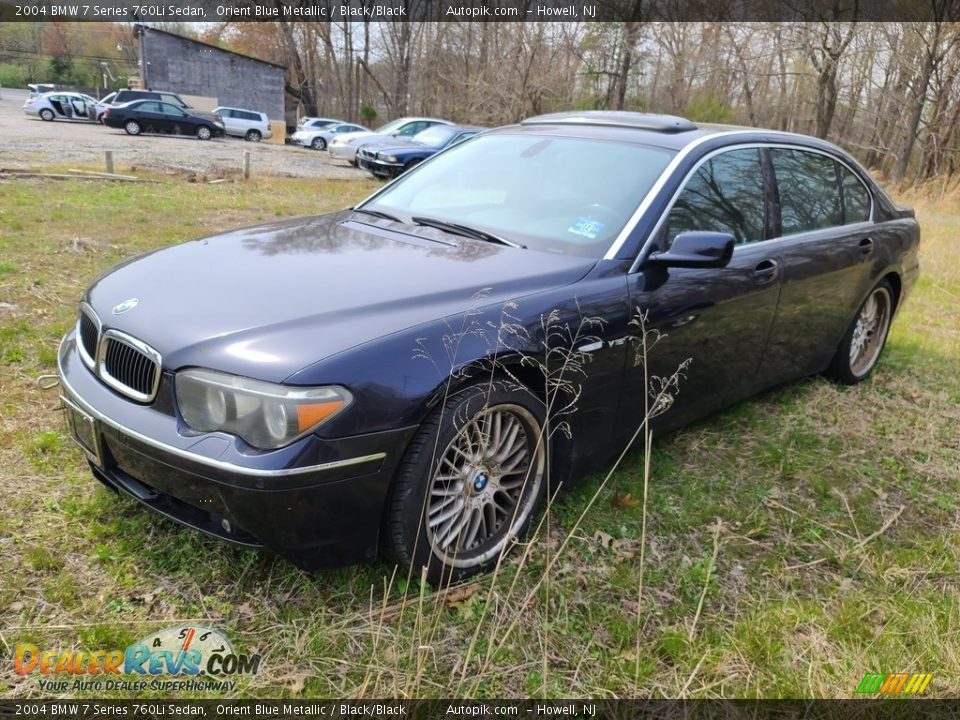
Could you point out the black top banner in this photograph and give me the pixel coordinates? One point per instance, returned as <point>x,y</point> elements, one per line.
<point>475,11</point>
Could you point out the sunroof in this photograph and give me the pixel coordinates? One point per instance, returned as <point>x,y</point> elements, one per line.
<point>616,118</point>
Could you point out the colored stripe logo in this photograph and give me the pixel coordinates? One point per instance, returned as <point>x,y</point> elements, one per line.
<point>894,683</point>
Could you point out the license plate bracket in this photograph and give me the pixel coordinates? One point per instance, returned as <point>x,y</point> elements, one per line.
<point>84,430</point>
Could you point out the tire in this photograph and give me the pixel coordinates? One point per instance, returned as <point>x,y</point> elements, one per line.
<point>47,114</point>
<point>253,136</point>
<point>319,144</point>
<point>865,338</point>
<point>458,514</point>
<point>132,127</point>
<point>204,133</point>
<point>410,165</point>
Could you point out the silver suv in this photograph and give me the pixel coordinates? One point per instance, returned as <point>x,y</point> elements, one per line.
<point>247,124</point>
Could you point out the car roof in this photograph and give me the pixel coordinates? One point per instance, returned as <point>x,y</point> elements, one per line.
<point>231,107</point>
<point>666,131</point>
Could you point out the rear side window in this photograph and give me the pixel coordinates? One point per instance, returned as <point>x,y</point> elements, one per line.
<point>809,192</point>
<point>856,198</point>
<point>726,194</point>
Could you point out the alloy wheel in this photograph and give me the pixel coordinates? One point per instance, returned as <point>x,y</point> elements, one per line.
<point>870,331</point>
<point>480,492</point>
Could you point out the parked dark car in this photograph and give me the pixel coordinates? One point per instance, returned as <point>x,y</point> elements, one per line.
<point>374,380</point>
<point>389,159</point>
<point>143,116</point>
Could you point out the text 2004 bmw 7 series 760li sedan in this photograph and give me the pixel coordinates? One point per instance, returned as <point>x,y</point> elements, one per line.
<point>372,380</point>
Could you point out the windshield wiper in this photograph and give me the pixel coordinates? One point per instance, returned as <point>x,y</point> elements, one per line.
<point>466,231</point>
<point>377,213</point>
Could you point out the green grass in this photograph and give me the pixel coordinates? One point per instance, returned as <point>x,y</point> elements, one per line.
<point>793,543</point>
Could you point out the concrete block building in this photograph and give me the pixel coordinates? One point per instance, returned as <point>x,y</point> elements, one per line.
<point>210,75</point>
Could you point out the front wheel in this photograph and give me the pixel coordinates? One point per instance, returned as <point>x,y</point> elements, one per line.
<point>319,144</point>
<point>203,132</point>
<point>471,481</point>
<point>132,127</point>
<point>864,340</point>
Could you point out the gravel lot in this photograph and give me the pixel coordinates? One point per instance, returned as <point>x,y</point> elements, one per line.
<point>29,142</point>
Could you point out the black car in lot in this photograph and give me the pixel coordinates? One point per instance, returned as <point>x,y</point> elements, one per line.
<point>389,159</point>
<point>140,116</point>
<point>375,380</point>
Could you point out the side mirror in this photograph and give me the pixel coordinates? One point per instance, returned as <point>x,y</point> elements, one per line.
<point>696,249</point>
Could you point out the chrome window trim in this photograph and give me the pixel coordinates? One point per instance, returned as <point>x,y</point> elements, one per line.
<point>747,146</point>
<point>137,345</point>
<point>90,362</point>
<point>74,397</point>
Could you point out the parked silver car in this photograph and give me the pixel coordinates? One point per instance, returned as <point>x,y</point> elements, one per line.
<point>319,138</point>
<point>248,124</point>
<point>59,105</point>
<point>345,146</point>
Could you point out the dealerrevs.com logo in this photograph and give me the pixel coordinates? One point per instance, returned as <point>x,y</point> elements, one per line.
<point>204,657</point>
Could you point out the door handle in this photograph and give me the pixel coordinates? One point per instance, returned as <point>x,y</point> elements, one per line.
<point>766,271</point>
<point>866,246</point>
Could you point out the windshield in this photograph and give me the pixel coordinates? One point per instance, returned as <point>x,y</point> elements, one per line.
<point>436,135</point>
<point>390,127</point>
<point>557,194</point>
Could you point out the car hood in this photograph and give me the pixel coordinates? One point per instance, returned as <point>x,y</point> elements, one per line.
<point>270,300</point>
<point>400,148</point>
<point>345,138</point>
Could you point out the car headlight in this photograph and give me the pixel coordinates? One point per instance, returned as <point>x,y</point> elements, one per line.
<point>265,415</point>
<point>391,158</point>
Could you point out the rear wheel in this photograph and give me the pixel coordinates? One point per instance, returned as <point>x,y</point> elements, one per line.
<point>470,483</point>
<point>203,132</point>
<point>319,144</point>
<point>864,340</point>
<point>47,114</point>
<point>253,135</point>
<point>132,127</point>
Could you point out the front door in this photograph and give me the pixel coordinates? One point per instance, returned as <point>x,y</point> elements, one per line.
<point>706,329</point>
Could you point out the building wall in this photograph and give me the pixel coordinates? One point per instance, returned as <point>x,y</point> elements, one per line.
<point>185,67</point>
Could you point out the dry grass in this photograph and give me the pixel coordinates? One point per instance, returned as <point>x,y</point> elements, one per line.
<point>783,548</point>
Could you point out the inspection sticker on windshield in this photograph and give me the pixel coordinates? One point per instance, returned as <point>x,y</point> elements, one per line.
<point>586,227</point>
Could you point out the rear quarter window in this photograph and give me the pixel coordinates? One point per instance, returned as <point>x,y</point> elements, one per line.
<point>856,197</point>
<point>809,191</point>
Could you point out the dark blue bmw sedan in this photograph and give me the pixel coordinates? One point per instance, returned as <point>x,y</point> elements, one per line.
<point>413,375</point>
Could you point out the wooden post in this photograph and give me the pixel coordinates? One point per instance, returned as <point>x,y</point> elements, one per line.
<point>109,158</point>
<point>246,164</point>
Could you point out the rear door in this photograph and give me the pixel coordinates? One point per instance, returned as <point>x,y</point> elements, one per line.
<point>710,325</point>
<point>827,250</point>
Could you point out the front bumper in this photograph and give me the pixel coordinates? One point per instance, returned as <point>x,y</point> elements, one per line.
<point>317,502</point>
<point>378,167</point>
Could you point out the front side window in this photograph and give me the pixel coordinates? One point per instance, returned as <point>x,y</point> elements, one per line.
<point>809,193</point>
<point>726,194</point>
<point>556,194</point>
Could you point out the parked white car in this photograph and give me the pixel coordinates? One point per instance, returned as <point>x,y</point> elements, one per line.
<point>248,124</point>
<point>345,146</point>
<point>319,138</point>
<point>59,105</point>
<point>311,121</point>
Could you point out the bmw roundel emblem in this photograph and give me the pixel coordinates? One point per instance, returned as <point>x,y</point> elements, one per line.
<point>128,304</point>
